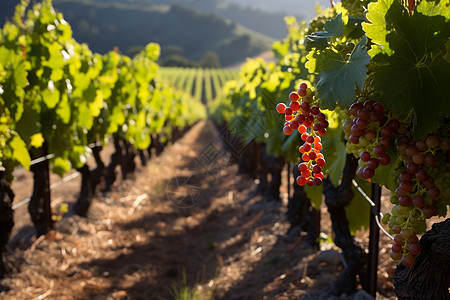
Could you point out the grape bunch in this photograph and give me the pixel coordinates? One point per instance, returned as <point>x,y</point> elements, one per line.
<point>368,131</point>
<point>417,196</point>
<point>303,114</point>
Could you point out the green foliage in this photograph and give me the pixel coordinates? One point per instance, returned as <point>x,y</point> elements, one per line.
<point>337,77</point>
<point>315,195</point>
<point>202,84</point>
<point>334,148</point>
<point>397,57</point>
<point>334,28</point>
<point>377,29</point>
<point>184,291</point>
<point>411,72</point>
<point>358,210</point>
<point>55,90</point>
<point>210,60</point>
<point>127,25</point>
<point>387,175</point>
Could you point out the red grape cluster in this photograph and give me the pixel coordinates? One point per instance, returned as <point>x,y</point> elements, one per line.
<point>417,195</point>
<point>305,116</point>
<point>416,184</point>
<point>369,130</point>
<point>406,246</point>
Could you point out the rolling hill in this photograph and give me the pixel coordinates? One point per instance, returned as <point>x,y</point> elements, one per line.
<point>106,24</point>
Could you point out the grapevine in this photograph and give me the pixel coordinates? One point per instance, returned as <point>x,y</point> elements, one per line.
<point>66,98</point>
<point>378,67</point>
<point>311,123</point>
<point>388,133</point>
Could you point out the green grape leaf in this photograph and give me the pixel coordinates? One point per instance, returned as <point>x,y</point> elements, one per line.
<point>57,74</point>
<point>441,207</point>
<point>141,140</point>
<point>20,74</point>
<point>358,210</point>
<point>334,28</point>
<point>84,116</point>
<point>61,166</point>
<point>318,40</point>
<point>20,151</point>
<point>51,95</point>
<point>338,77</point>
<point>96,105</point>
<point>315,195</point>
<point>37,140</point>
<point>152,51</point>
<point>333,146</point>
<point>387,175</point>
<point>335,155</point>
<point>63,109</point>
<point>78,155</point>
<point>280,49</point>
<point>29,124</point>
<point>273,142</point>
<point>56,60</point>
<point>377,29</point>
<point>353,29</point>
<point>432,8</point>
<point>415,76</point>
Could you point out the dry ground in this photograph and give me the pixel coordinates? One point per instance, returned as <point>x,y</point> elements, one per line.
<point>187,218</point>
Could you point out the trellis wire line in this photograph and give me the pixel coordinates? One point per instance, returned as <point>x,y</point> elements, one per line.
<point>50,156</point>
<point>360,190</point>
<point>97,144</point>
<point>41,159</point>
<point>381,227</point>
<point>21,203</point>
<point>53,186</point>
<point>65,179</point>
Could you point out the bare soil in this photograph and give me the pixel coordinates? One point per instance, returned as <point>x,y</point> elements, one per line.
<point>187,219</point>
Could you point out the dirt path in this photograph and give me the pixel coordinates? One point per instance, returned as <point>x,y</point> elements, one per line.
<point>187,219</point>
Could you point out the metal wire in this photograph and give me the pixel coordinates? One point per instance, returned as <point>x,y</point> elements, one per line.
<point>53,186</point>
<point>381,227</point>
<point>360,190</point>
<point>41,159</point>
<point>50,156</point>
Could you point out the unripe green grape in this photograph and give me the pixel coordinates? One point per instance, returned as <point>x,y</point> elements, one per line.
<point>396,256</point>
<point>363,141</point>
<point>400,220</point>
<point>394,199</point>
<point>399,210</point>
<point>392,223</point>
<point>419,226</point>
<point>386,218</point>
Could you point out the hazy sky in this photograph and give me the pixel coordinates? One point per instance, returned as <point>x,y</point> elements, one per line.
<point>294,7</point>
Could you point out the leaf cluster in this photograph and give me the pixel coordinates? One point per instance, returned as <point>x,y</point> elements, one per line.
<point>411,69</point>
<point>54,90</point>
